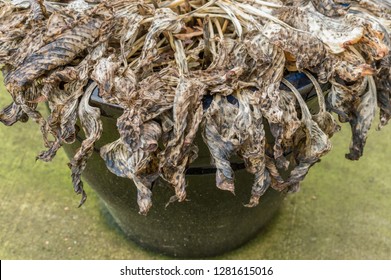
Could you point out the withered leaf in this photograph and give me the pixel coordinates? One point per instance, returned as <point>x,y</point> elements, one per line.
<point>92,126</point>
<point>141,166</point>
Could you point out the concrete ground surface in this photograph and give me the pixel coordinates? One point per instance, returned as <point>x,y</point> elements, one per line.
<point>343,210</point>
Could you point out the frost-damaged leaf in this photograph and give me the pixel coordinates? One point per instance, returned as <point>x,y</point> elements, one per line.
<point>129,34</point>
<point>308,51</point>
<point>335,33</point>
<point>154,96</point>
<point>63,104</point>
<point>380,8</point>
<point>361,120</point>
<point>356,103</point>
<point>346,66</point>
<point>373,44</point>
<point>164,20</point>
<point>117,85</point>
<point>187,116</point>
<point>341,96</point>
<point>323,118</point>
<point>223,138</point>
<point>27,102</point>
<point>271,62</point>
<point>232,16</point>
<point>316,144</point>
<point>383,85</point>
<point>141,166</point>
<point>92,126</point>
<point>13,27</point>
<point>253,149</point>
<point>59,52</point>
<point>61,124</point>
<point>104,75</point>
<point>12,114</point>
<point>38,10</point>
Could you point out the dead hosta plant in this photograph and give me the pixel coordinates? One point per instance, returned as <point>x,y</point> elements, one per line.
<point>160,60</point>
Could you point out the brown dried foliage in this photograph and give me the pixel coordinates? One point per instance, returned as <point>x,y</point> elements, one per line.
<point>162,61</point>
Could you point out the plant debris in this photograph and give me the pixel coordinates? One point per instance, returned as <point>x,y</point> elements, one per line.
<point>161,60</point>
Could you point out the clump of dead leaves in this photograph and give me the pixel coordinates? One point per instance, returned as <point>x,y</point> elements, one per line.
<point>160,60</point>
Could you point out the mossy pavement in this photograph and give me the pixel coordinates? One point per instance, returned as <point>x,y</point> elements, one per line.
<point>343,210</point>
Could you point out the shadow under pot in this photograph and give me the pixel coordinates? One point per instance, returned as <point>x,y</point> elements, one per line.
<point>210,221</point>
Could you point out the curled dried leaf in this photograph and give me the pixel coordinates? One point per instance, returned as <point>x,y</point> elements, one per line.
<point>140,166</point>
<point>92,126</point>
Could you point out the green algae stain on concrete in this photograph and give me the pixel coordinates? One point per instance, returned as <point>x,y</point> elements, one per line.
<point>342,211</point>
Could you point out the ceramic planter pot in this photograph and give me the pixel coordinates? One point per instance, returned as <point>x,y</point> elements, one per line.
<point>211,222</point>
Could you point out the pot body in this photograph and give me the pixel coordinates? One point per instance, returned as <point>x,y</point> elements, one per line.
<point>209,222</point>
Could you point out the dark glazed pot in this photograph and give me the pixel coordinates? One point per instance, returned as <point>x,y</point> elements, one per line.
<point>211,222</point>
